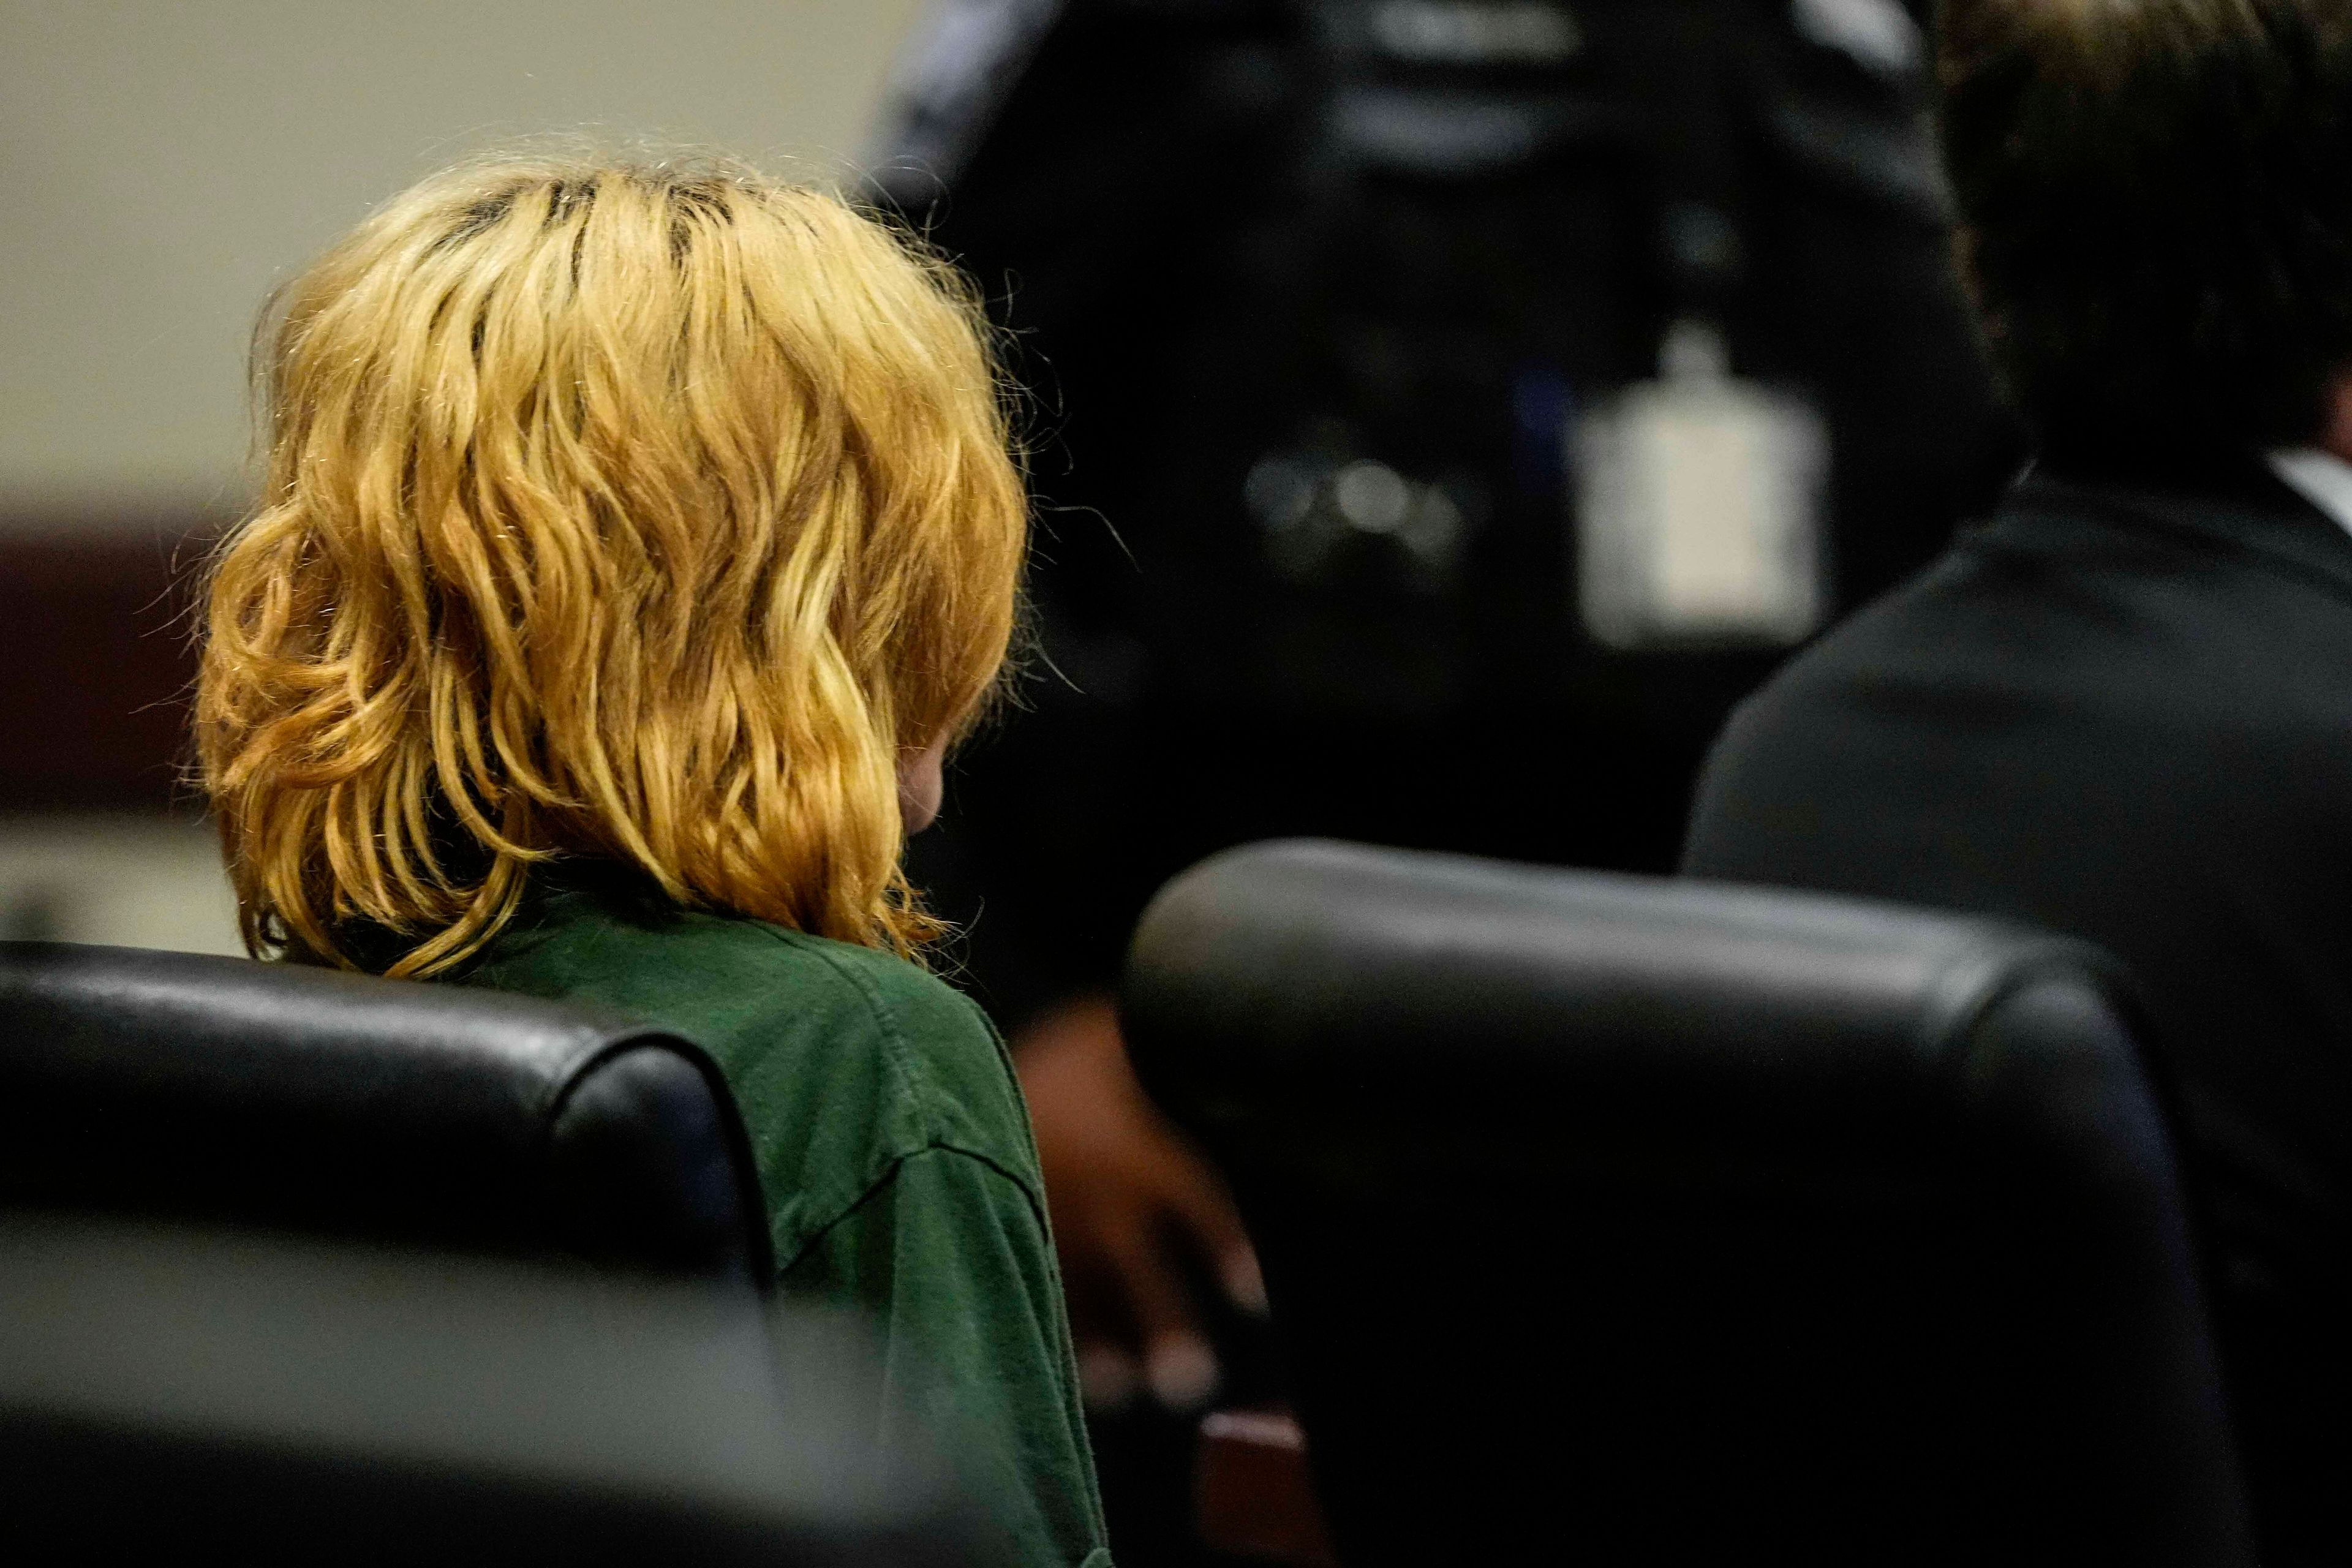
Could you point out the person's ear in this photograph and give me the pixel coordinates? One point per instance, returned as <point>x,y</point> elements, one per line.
<point>1990,327</point>
<point>2335,415</point>
<point>922,785</point>
<point>1964,263</point>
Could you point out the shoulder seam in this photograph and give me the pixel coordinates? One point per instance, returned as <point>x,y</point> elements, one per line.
<point>902,1059</point>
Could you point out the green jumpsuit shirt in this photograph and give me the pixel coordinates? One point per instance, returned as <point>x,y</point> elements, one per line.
<point>896,1156</point>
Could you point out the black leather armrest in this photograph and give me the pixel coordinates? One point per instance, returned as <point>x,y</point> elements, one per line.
<point>647,1161</point>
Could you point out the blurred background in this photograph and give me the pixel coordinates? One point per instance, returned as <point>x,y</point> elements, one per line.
<point>163,166</point>
<point>1441,413</point>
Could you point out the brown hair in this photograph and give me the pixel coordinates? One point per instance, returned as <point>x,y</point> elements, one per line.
<point>2158,223</point>
<point>644,511</point>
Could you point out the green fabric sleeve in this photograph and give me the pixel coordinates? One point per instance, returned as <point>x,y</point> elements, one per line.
<point>951,1258</point>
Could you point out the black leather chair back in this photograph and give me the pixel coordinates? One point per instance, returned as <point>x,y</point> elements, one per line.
<point>1623,1220</point>
<point>171,1084</point>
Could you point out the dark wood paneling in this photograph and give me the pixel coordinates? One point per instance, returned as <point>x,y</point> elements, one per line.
<point>1256,1497</point>
<point>96,663</point>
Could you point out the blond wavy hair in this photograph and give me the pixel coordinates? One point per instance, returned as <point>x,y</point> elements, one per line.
<point>646,511</point>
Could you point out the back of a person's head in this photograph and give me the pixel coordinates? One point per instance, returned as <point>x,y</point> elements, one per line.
<point>2159,224</point>
<point>642,511</point>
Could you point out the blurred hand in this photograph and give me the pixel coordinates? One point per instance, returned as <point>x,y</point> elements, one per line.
<point>1136,1211</point>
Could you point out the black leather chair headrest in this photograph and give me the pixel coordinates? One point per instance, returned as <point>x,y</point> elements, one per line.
<point>1320,968</point>
<point>174,1084</point>
<point>1654,1221</point>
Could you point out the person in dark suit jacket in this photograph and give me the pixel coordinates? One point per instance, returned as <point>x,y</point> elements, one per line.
<point>2123,707</point>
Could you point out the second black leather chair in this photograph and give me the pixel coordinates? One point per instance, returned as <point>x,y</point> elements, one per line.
<point>1629,1221</point>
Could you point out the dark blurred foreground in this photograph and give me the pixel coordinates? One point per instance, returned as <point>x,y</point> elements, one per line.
<point>201,1394</point>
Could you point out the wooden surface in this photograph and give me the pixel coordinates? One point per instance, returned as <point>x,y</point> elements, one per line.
<point>96,659</point>
<point>1255,1497</point>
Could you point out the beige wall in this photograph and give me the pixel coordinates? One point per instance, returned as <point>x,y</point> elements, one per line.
<point>163,161</point>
